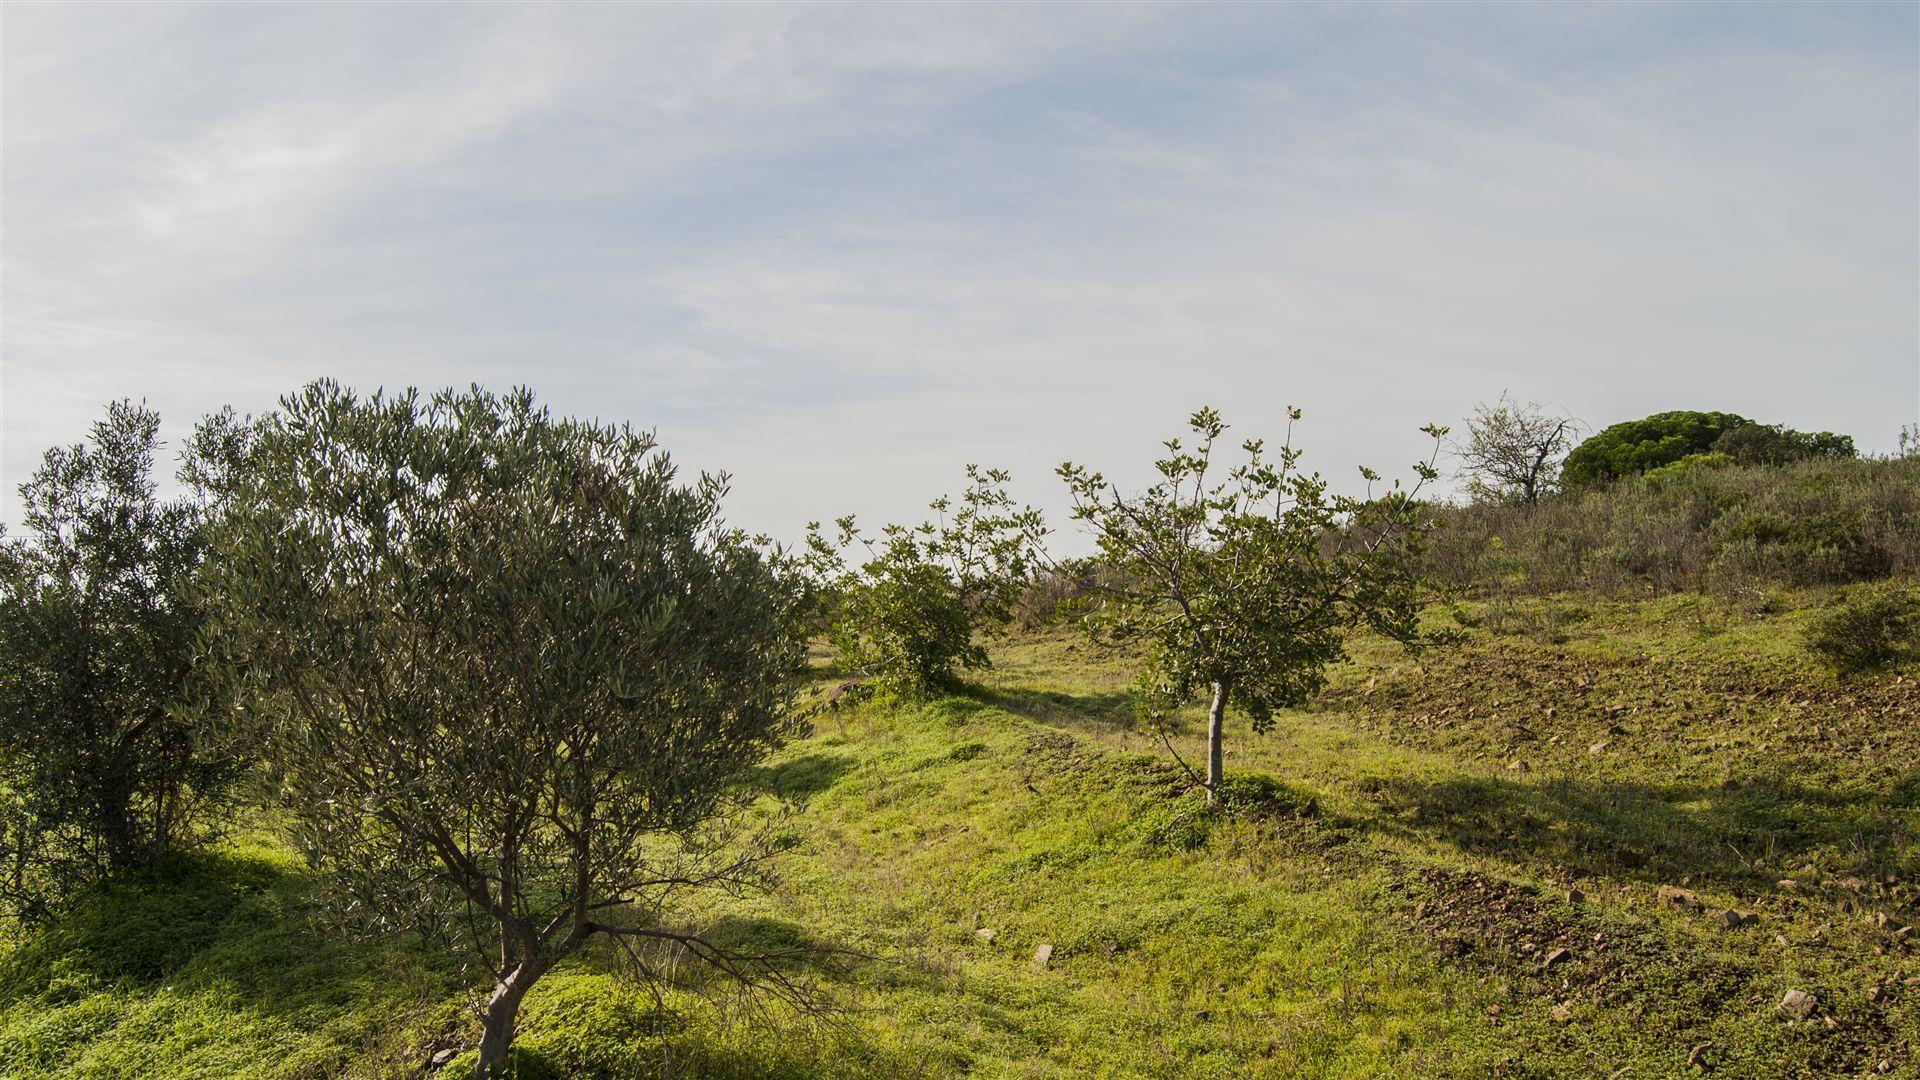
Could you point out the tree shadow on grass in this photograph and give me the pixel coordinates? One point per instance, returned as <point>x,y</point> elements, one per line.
<point>1107,712</point>
<point>142,926</point>
<point>1661,832</point>
<point>798,778</point>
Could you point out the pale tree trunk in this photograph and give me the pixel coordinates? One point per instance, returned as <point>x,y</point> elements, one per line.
<point>1216,721</point>
<point>496,1030</point>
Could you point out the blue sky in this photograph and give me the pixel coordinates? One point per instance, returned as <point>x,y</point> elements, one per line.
<point>840,251</point>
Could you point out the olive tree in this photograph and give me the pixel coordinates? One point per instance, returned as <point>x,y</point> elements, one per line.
<point>1513,450</point>
<point>907,613</point>
<point>101,769</point>
<point>506,670</point>
<point>1244,587</point>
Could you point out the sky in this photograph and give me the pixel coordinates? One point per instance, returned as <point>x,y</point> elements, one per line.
<point>842,251</point>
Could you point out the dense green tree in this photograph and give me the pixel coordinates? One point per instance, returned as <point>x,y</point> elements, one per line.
<point>907,615</point>
<point>1635,446</point>
<point>101,766</point>
<point>1244,589</point>
<point>505,669</point>
<point>1776,444</point>
<point>1640,446</point>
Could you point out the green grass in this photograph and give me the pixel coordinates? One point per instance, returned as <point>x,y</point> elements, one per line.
<point>1380,898</point>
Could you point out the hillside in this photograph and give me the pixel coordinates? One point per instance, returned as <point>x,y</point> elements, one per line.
<point>1457,870</point>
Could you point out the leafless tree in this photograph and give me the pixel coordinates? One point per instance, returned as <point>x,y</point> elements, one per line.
<point>1514,449</point>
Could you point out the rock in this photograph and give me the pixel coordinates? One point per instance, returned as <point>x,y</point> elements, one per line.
<point>1561,1014</point>
<point>1599,747</point>
<point>1041,955</point>
<point>1555,957</point>
<point>440,1058</point>
<point>1797,1005</point>
<point>1875,993</point>
<point>1786,885</point>
<point>1678,897</point>
<point>1575,896</point>
<point>1697,1057</point>
<point>1734,919</point>
<point>984,934</point>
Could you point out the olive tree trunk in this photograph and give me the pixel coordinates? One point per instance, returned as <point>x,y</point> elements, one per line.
<point>496,1022</point>
<point>1216,722</point>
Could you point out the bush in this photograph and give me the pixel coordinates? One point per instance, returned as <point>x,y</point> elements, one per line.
<point>1869,629</point>
<point>906,616</point>
<point>1686,466</point>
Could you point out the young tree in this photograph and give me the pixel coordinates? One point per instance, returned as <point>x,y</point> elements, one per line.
<point>99,769</point>
<point>907,615</point>
<point>1514,449</point>
<point>1245,589</point>
<point>505,669</point>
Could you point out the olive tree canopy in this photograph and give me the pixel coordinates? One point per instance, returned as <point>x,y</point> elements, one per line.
<point>505,668</point>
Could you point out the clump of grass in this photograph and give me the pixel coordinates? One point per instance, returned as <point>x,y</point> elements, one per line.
<point>1256,794</point>
<point>1179,825</point>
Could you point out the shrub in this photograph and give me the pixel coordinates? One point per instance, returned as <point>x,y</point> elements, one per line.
<point>1869,629</point>
<point>1678,470</point>
<point>906,616</point>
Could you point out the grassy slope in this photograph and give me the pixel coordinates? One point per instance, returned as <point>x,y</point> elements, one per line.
<point>1403,929</point>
